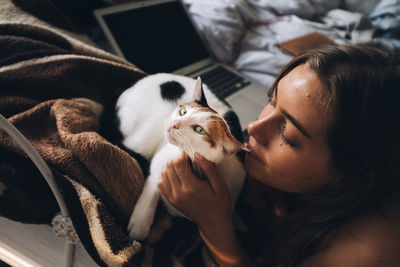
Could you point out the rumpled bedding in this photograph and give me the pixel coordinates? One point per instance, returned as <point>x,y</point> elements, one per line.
<point>244,33</point>
<point>57,89</point>
<point>54,83</point>
<point>54,86</point>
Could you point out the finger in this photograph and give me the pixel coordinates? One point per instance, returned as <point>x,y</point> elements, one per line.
<point>165,184</point>
<point>184,160</point>
<point>212,173</point>
<point>173,176</point>
<point>185,155</point>
<point>162,190</point>
<point>183,170</point>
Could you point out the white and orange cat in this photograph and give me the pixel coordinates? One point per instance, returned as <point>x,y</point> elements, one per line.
<point>192,124</point>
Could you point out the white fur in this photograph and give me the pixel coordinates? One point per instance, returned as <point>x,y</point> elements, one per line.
<point>142,111</point>
<point>136,105</point>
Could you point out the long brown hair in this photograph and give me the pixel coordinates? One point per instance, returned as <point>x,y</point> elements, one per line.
<point>364,136</point>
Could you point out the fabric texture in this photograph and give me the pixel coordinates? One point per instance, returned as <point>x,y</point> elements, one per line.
<point>59,89</point>
<point>245,33</point>
<point>55,84</point>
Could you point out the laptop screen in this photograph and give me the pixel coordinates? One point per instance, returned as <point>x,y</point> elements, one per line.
<point>157,38</point>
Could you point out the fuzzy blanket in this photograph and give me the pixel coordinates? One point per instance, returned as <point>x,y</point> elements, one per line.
<point>54,84</point>
<point>57,88</point>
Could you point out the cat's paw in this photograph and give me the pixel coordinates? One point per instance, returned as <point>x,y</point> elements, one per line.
<point>138,228</point>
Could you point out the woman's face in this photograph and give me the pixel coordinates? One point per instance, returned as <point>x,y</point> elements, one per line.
<point>288,142</point>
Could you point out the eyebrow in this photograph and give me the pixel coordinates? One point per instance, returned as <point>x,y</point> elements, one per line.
<point>296,123</point>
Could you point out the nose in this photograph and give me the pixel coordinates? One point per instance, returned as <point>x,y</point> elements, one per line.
<point>262,128</point>
<point>174,125</point>
<point>254,128</point>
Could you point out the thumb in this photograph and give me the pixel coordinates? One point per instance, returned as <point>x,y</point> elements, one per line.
<point>212,173</point>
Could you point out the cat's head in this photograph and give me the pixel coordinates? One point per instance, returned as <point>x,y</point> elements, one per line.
<point>195,127</point>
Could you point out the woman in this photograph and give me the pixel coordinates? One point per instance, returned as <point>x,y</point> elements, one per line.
<point>328,143</point>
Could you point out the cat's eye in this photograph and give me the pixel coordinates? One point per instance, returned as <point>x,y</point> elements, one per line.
<point>182,111</point>
<point>200,130</point>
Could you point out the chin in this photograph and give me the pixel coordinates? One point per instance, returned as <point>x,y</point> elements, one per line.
<point>255,168</point>
<point>171,139</point>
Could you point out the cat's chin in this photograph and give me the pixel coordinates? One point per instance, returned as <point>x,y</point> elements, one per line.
<point>171,139</point>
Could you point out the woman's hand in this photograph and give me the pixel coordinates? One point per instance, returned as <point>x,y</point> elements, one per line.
<point>206,202</point>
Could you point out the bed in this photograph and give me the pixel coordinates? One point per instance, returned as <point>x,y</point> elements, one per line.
<point>55,81</point>
<point>245,34</point>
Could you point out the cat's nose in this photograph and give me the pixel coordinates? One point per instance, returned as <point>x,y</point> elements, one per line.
<point>174,125</point>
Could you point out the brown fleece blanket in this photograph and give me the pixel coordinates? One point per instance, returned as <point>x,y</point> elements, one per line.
<point>56,87</point>
<point>53,85</point>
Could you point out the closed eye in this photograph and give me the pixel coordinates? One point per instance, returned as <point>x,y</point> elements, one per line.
<point>284,138</point>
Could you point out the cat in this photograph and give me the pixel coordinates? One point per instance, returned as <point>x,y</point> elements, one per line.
<point>143,108</point>
<point>192,126</point>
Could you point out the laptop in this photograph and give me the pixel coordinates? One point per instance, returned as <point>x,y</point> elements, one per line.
<point>160,36</point>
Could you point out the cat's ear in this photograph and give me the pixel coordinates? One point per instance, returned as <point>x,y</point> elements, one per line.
<point>231,146</point>
<point>198,94</point>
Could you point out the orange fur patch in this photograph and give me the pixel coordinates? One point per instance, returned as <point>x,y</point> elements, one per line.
<point>217,128</point>
<point>200,107</point>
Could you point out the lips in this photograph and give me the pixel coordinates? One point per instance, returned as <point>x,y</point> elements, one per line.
<point>252,153</point>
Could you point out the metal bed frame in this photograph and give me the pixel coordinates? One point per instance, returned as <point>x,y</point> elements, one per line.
<point>44,169</point>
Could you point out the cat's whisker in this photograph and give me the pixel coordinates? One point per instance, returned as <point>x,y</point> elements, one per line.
<point>196,167</point>
<point>187,144</point>
<point>161,133</point>
<point>198,170</point>
<point>196,157</point>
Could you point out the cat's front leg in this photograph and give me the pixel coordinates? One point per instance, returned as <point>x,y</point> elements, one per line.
<point>143,214</point>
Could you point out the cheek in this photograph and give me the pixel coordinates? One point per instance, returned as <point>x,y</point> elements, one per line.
<point>297,173</point>
<point>283,170</point>
<point>190,136</point>
<point>255,168</point>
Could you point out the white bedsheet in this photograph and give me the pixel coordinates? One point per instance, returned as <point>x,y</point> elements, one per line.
<point>244,33</point>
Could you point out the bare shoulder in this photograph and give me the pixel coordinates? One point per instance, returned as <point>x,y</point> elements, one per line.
<point>370,240</point>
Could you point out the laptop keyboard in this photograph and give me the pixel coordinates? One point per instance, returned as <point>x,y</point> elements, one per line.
<point>223,82</point>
